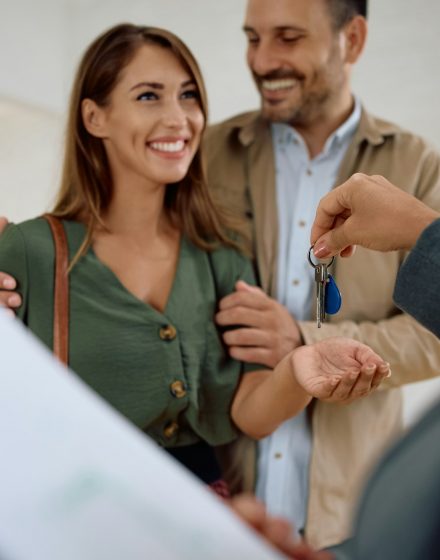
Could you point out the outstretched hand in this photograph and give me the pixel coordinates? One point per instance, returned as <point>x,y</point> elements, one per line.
<point>338,369</point>
<point>370,212</point>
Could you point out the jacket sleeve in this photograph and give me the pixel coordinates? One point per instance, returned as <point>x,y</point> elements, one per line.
<point>13,261</point>
<point>417,289</point>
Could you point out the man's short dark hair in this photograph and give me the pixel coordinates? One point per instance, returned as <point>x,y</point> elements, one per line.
<point>342,11</point>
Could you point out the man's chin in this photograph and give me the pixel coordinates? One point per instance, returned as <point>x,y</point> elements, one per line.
<point>277,113</point>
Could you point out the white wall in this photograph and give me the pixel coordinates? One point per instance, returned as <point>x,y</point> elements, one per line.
<point>30,152</point>
<point>398,76</point>
<point>40,44</point>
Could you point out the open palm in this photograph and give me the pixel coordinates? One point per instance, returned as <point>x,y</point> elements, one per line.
<point>338,369</point>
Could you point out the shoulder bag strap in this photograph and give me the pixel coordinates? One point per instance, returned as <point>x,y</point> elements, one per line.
<point>61,293</point>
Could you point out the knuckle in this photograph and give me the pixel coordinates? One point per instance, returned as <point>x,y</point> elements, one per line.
<point>359,177</point>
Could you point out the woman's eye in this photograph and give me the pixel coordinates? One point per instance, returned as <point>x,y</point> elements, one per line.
<point>190,94</point>
<point>147,96</point>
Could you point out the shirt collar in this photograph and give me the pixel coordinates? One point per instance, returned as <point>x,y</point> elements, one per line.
<point>285,134</point>
<point>349,126</point>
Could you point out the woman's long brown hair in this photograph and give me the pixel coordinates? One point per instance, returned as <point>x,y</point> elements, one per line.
<point>86,184</point>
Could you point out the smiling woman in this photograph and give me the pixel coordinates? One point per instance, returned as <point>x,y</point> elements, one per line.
<point>150,257</point>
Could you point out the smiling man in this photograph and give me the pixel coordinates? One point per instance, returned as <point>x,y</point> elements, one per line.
<point>273,166</point>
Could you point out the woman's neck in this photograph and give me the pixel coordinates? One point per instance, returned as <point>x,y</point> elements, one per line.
<point>137,211</point>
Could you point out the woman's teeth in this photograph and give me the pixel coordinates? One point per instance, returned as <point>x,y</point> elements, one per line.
<point>168,146</point>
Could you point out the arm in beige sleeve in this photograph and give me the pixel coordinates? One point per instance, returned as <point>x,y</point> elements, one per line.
<point>411,350</point>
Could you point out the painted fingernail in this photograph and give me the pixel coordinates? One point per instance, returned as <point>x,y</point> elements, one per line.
<point>9,283</point>
<point>320,250</point>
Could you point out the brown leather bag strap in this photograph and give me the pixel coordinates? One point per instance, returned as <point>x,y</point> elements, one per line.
<point>61,294</point>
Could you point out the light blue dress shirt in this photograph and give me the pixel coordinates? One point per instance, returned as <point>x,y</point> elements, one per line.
<point>284,457</point>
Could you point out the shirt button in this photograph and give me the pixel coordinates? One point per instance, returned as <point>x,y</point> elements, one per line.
<point>278,455</point>
<point>302,223</point>
<point>178,389</point>
<point>168,332</point>
<point>295,282</point>
<point>170,429</point>
<point>309,172</point>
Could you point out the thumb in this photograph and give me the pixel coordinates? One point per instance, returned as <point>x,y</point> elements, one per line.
<point>332,243</point>
<point>242,286</point>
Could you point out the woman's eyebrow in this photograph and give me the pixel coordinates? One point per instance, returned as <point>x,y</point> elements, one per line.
<point>152,85</point>
<point>157,85</point>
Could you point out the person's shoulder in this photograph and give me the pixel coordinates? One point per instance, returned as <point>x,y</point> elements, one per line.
<point>35,235</point>
<point>27,230</point>
<point>405,138</point>
<point>21,242</point>
<point>33,226</point>
<point>234,123</point>
<point>27,244</point>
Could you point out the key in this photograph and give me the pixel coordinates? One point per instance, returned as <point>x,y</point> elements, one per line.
<point>321,276</point>
<point>328,296</point>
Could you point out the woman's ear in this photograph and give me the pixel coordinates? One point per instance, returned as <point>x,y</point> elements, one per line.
<point>94,118</point>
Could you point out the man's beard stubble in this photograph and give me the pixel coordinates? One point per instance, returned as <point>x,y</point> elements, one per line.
<point>300,112</point>
<point>309,106</point>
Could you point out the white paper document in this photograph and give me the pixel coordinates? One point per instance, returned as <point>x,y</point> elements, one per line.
<point>79,482</point>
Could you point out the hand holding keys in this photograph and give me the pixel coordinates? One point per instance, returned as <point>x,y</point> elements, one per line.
<point>328,297</point>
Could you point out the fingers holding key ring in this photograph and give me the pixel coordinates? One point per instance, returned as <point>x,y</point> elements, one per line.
<point>309,256</point>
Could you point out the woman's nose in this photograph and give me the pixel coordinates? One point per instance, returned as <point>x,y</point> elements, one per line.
<point>175,116</point>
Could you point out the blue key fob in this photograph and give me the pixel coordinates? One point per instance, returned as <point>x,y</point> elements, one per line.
<point>333,299</point>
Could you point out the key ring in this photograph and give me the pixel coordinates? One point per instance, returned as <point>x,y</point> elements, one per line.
<point>316,264</point>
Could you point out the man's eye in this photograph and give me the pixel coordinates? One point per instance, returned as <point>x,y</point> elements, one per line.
<point>146,96</point>
<point>287,39</point>
<point>253,40</point>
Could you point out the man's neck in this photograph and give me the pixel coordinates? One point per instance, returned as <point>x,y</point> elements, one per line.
<point>316,132</point>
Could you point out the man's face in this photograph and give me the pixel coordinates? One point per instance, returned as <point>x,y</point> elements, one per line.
<point>295,57</point>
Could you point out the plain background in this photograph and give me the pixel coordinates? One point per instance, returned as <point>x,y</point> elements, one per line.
<point>40,44</point>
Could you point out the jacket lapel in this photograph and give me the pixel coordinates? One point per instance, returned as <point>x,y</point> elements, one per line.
<point>260,177</point>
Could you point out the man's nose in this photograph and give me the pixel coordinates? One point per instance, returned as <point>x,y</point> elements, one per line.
<point>263,59</point>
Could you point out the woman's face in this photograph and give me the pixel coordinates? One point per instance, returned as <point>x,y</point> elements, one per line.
<point>152,125</point>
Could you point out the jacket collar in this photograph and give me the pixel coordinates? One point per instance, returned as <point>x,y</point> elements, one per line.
<point>374,130</point>
<point>250,127</point>
<point>371,129</point>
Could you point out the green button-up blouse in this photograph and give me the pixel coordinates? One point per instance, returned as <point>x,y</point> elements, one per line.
<point>169,372</point>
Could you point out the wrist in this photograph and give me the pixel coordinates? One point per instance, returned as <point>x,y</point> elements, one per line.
<point>421,222</point>
<point>296,336</point>
<point>429,217</point>
<point>295,359</point>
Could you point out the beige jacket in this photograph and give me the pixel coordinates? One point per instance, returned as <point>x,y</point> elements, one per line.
<point>346,439</point>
